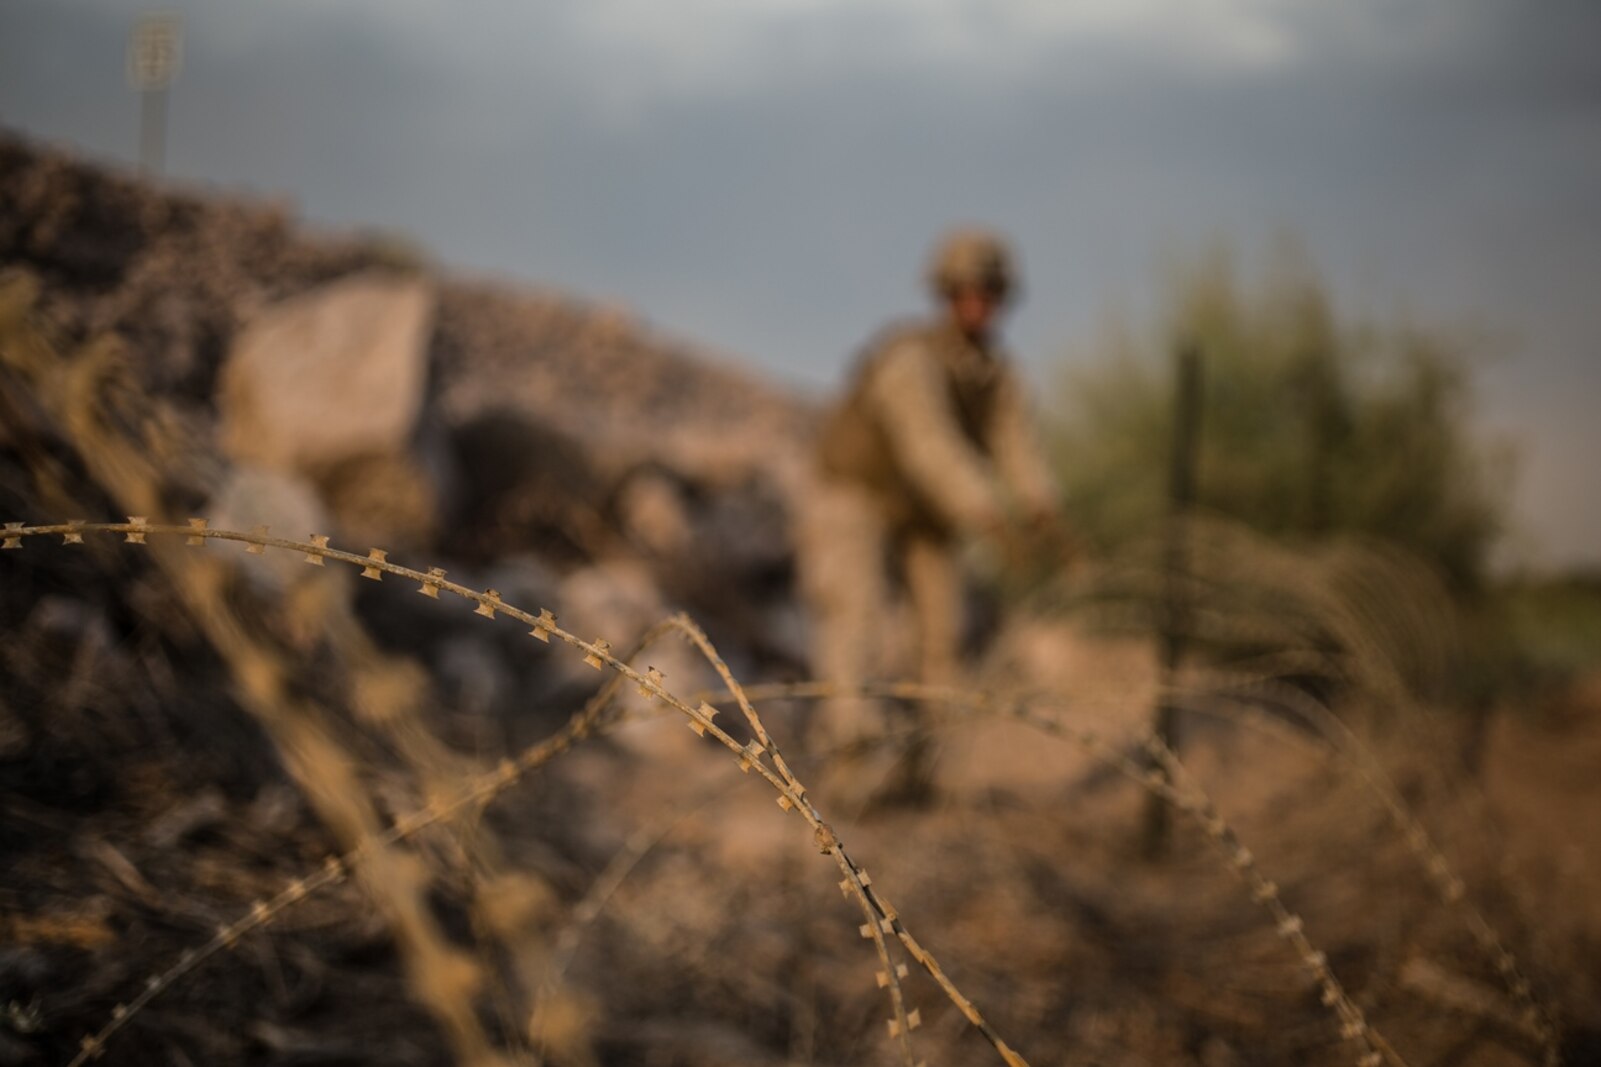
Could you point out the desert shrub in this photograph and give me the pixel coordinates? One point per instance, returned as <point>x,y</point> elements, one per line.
<point>1312,426</point>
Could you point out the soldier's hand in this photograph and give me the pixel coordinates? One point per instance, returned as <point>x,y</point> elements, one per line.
<point>993,530</point>
<point>1038,544</point>
<point>1051,537</point>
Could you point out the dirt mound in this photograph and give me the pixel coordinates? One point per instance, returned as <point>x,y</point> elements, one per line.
<point>584,460</point>
<point>580,403</point>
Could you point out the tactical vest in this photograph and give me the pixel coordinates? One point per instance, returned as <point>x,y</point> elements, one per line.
<point>855,446</point>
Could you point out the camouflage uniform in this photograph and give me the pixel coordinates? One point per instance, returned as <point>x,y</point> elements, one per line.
<point>932,442</point>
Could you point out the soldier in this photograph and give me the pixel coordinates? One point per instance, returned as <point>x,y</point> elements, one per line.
<point>930,446</point>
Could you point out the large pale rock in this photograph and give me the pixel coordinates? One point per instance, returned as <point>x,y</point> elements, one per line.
<point>329,375</point>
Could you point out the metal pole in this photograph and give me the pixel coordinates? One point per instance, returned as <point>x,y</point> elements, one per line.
<point>153,131</point>
<point>155,54</point>
<point>1173,617</point>
<point>1323,428</point>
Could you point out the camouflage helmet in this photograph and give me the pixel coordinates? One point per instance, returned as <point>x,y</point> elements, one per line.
<point>972,258</point>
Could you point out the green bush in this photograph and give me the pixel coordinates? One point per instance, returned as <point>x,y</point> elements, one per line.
<point>1310,426</point>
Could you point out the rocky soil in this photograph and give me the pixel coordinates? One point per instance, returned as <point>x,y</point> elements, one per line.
<point>638,901</point>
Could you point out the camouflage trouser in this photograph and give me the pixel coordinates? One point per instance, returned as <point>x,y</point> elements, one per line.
<point>847,557</point>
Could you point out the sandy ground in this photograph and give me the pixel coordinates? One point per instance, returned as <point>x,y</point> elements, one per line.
<point>1025,877</point>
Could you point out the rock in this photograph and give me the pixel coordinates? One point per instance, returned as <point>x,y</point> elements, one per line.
<point>619,601</point>
<point>477,690</point>
<point>653,514</point>
<point>385,501</point>
<point>474,678</point>
<point>332,374</point>
<point>523,485</point>
<point>286,504</point>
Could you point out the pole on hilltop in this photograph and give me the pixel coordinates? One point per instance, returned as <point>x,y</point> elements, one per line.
<point>155,52</point>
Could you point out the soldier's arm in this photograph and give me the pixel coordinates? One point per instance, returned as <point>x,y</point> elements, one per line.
<point>1017,453</point>
<point>912,406</point>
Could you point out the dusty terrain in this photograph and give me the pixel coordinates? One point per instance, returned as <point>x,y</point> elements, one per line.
<point>639,900</point>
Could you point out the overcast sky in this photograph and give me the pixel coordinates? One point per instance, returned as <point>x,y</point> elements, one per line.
<point>764,176</point>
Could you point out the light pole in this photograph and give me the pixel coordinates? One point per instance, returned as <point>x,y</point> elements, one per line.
<point>155,52</point>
